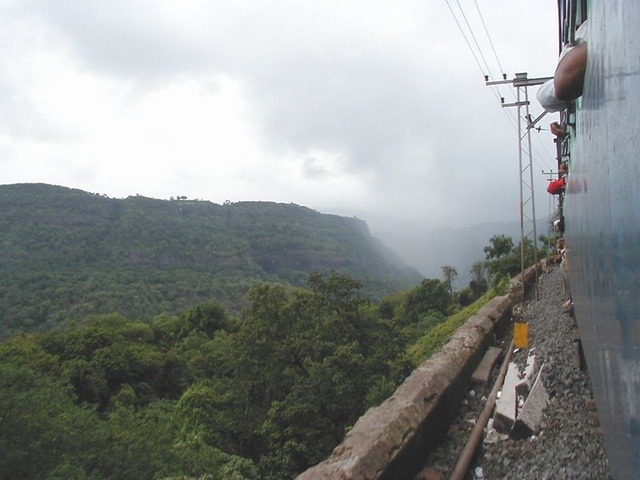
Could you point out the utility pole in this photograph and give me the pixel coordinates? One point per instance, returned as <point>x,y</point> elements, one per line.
<point>527,202</point>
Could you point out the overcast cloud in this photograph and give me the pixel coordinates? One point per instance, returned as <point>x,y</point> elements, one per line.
<point>373,109</point>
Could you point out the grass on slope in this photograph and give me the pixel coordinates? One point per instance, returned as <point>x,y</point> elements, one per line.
<point>433,341</point>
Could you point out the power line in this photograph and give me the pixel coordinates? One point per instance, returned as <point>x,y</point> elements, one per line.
<point>548,157</point>
<point>510,115</point>
<point>474,39</point>
<point>515,122</point>
<point>464,36</point>
<point>489,37</point>
<point>495,90</point>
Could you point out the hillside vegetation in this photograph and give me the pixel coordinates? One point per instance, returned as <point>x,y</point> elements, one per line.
<point>257,382</point>
<point>66,254</point>
<point>206,395</point>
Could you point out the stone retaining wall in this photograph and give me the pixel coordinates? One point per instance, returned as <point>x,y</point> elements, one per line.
<point>389,441</point>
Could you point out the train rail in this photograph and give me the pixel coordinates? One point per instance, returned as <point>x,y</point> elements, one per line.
<point>569,442</point>
<point>424,428</point>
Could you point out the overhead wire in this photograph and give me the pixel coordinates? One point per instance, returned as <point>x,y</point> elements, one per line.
<point>488,36</point>
<point>486,31</point>
<point>495,53</point>
<point>494,89</point>
<point>487,73</point>
<point>464,36</point>
<point>474,39</point>
<point>509,113</point>
<point>548,157</point>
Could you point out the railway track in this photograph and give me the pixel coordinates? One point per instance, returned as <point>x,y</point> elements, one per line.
<point>421,431</point>
<point>568,443</point>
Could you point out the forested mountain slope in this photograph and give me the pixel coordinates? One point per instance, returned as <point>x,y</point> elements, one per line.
<point>66,254</point>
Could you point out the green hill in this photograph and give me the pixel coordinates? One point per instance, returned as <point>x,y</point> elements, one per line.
<point>66,254</point>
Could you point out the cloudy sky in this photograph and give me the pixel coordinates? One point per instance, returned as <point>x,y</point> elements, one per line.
<point>374,108</point>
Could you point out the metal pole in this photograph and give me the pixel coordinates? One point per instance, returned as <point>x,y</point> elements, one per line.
<point>533,202</point>
<point>521,81</point>
<point>519,103</point>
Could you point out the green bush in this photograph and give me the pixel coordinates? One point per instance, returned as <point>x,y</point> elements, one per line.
<point>440,334</point>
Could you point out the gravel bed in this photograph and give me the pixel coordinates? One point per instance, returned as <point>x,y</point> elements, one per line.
<point>570,443</point>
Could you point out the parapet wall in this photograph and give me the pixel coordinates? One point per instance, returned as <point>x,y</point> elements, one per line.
<point>389,441</point>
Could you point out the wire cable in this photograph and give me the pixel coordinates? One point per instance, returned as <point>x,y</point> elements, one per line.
<point>511,116</point>
<point>475,40</point>
<point>489,37</point>
<point>465,37</point>
<point>534,155</point>
<point>494,88</point>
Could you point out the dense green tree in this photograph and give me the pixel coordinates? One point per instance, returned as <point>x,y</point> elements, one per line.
<point>478,284</point>
<point>464,297</point>
<point>449,274</point>
<point>263,396</point>
<point>499,247</point>
<point>203,411</point>
<point>502,258</point>
<point>97,412</point>
<point>68,254</point>
<point>207,318</point>
<point>42,431</point>
<point>306,360</point>
<point>431,296</point>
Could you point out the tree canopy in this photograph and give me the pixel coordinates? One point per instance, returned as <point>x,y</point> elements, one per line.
<point>148,376</point>
<point>262,395</point>
<point>68,254</point>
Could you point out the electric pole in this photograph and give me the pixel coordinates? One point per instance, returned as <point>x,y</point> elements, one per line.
<point>527,202</point>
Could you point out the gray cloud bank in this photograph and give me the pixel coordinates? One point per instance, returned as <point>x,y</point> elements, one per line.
<point>384,93</point>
